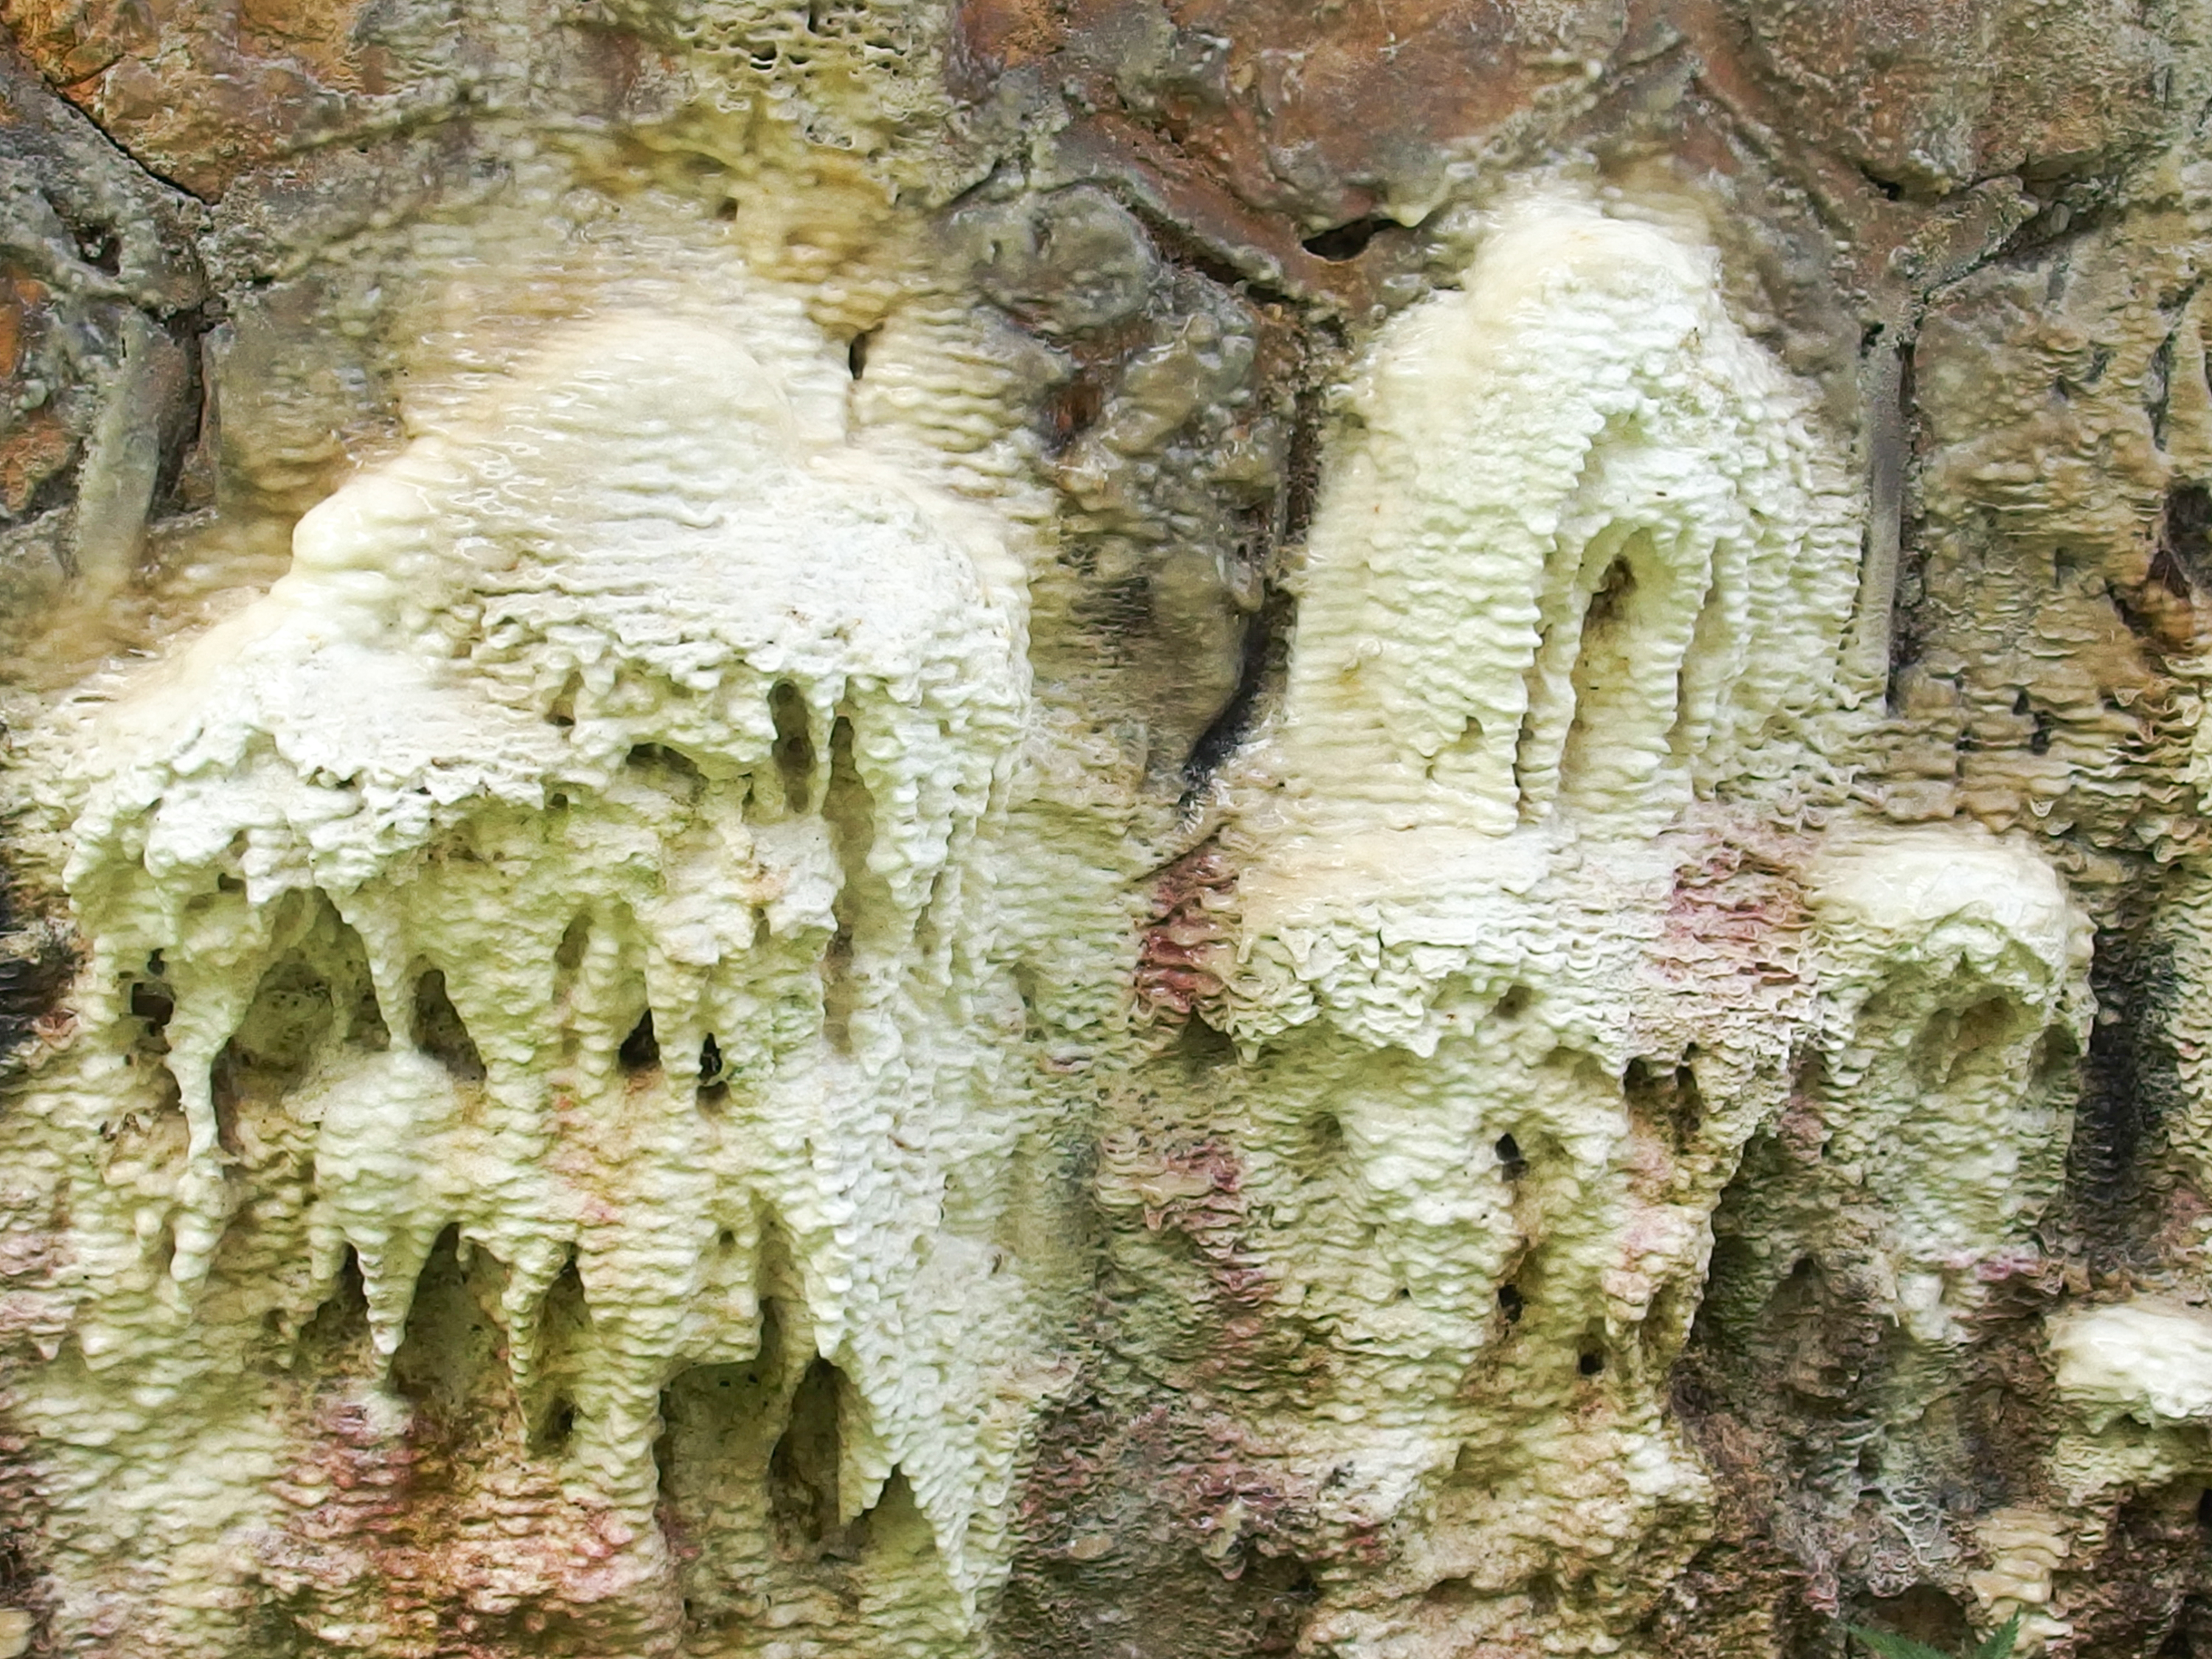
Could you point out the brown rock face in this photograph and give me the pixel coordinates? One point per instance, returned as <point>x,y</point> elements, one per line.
<point>1331,1213</point>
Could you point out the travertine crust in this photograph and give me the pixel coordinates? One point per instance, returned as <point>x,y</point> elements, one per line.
<point>1018,829</point>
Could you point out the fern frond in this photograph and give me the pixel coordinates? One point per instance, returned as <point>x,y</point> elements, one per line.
<point>1886,1646</point>
<point>1999,1646</point>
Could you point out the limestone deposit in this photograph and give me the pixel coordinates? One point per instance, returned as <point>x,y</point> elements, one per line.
<point>1104,830</point>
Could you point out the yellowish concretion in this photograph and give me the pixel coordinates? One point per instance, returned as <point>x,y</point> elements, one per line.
<point>627,846</point>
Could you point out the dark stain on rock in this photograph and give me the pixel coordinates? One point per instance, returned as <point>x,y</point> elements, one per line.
<point>2130,1082</point>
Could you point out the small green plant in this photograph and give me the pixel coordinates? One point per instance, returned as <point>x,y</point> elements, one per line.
<point>1886,1646</point>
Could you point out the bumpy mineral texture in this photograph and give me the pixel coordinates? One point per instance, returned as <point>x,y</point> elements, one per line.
<point>1104,828</point>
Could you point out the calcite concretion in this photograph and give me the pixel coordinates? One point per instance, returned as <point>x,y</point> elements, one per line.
<point>1582,551</point>
<point>592,861</point>
<point>652,805</point>
<point>1018,830</point>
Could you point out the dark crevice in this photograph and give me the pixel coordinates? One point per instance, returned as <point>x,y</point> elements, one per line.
<point>339,1326</point>
<point>36,966</point>
<point>562,712</point>
<point>564,1333</point>
<point>2186,534</point>
<point>1266,661</point>
<point>557,1430</point>
<point>640,1049</point>
<point>2131,615</point>
<point>1890,190</point>
<point>101,248</point>
<point>665,765</point>
<point>803,1470</point>
<point>1301,467</point>
<point>1890,447</point>
<point>1510,1163</point>
<point>79,125</point>
<point>440,1032</point>
<point>1073,407</point>
<point>154,1004</point>
<point>850,809</point>
<point>2157,388</point>
<point>183,420</point>
<point>1666,1095</point>
<point>317,993</point>
<point>713,1087</point>
<point>451,1359</point>
<point>2130,1082</point>
<point>1202,1048</point>
<point>1347,240</point>
<point>54,491</point>
<point>2080,207</point>
<point>794,744</point>
<point>1179,245</point>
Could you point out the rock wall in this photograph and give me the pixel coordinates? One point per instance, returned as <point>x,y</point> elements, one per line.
<point>1108,829</point>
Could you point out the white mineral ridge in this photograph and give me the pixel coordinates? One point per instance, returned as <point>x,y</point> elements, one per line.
<point>609,701</point>
<point>1944,890</point>
<point>2146,1359</point>
<point>1583,543</point>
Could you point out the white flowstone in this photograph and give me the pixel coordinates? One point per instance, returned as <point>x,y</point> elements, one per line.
<point>2146,1359</point>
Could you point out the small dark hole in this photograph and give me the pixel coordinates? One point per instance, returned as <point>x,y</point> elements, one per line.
<point>1514,1004</point>
<point>727,209</point>
<point>562,712</point>
<point>1345,241</point>
<point>440,1031</point>
<point>657,757</point>
<point>1510,1303</point>
<point>2039,742</point>
<point>560,1428</point>
<point>856,354</point>
<point>2204,1508</point>
<point>2187,533</point>
<point>794,744</point>
<point>2019,702</point>
<point>1072,408</point>
<point>1590,1363</point>
<point>713,1090</point>
<point>1508,1155</point>
<point>153,1003</point>
<point>640,1049</point>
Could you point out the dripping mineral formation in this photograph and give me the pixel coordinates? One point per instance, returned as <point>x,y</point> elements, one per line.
<point>1064,831</point>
